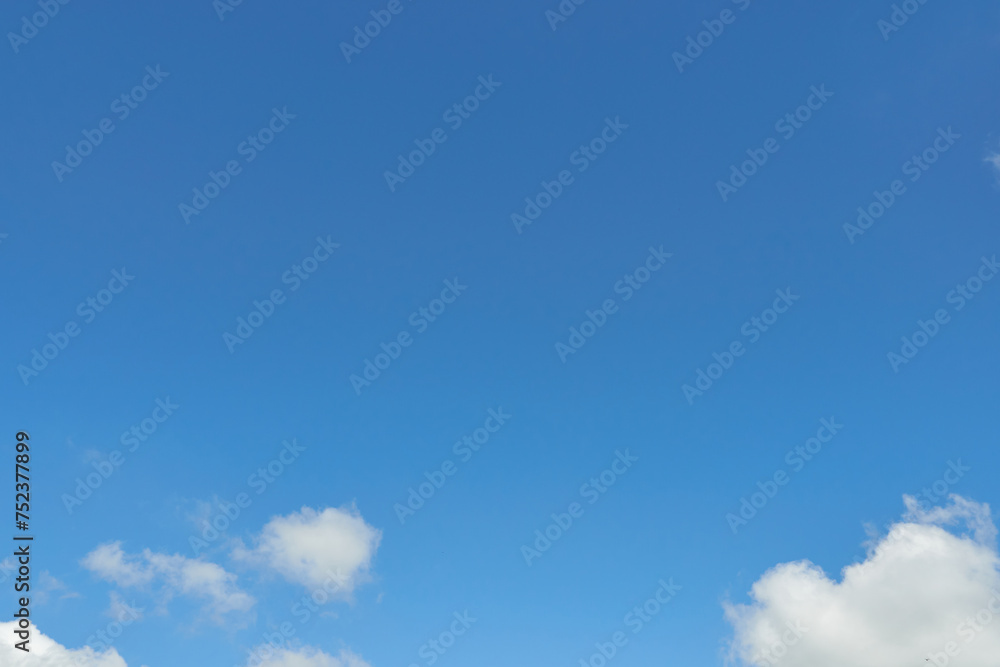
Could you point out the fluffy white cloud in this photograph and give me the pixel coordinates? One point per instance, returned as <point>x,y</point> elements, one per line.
<point>307,657</point>
<point>110,563</point>
<point>47,653</point>
<point>310,547</point>
<point>921,591</point>
<point>175,575</point>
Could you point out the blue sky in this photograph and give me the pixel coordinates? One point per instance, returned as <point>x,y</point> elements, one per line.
<point>380,254</point>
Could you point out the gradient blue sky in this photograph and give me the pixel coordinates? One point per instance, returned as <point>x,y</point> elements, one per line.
<point>656,185</point>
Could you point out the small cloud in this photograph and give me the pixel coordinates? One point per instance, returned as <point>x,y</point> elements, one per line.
<point>310,546</point>
<point>49,586</point>
<point>110,563</point>
<point>7,569</point>
<point>994,159</point>
<point>91,455</point>
<point>122,611</point>
<point>198,513</point>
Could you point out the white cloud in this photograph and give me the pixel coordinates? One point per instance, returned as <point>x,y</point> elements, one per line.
<point>994,159</point>
<point>110,563</point>
<point>975,515</point>
<point>122,611</point>
<point>198,578</point>
<point>47,653</point>
<point>175,575</point>
<point>198,512</point>
<point>306,657</point>
<point>919,589</point>
<point>309,547</point>
<point>7,567</point>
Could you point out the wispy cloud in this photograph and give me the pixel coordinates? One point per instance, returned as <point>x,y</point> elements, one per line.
<point>171,575</point>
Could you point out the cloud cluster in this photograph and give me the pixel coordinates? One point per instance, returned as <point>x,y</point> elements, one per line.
<point>174,575</point>
<point>922,593</point>
<point>310,546</point>
<point>307,547</point>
